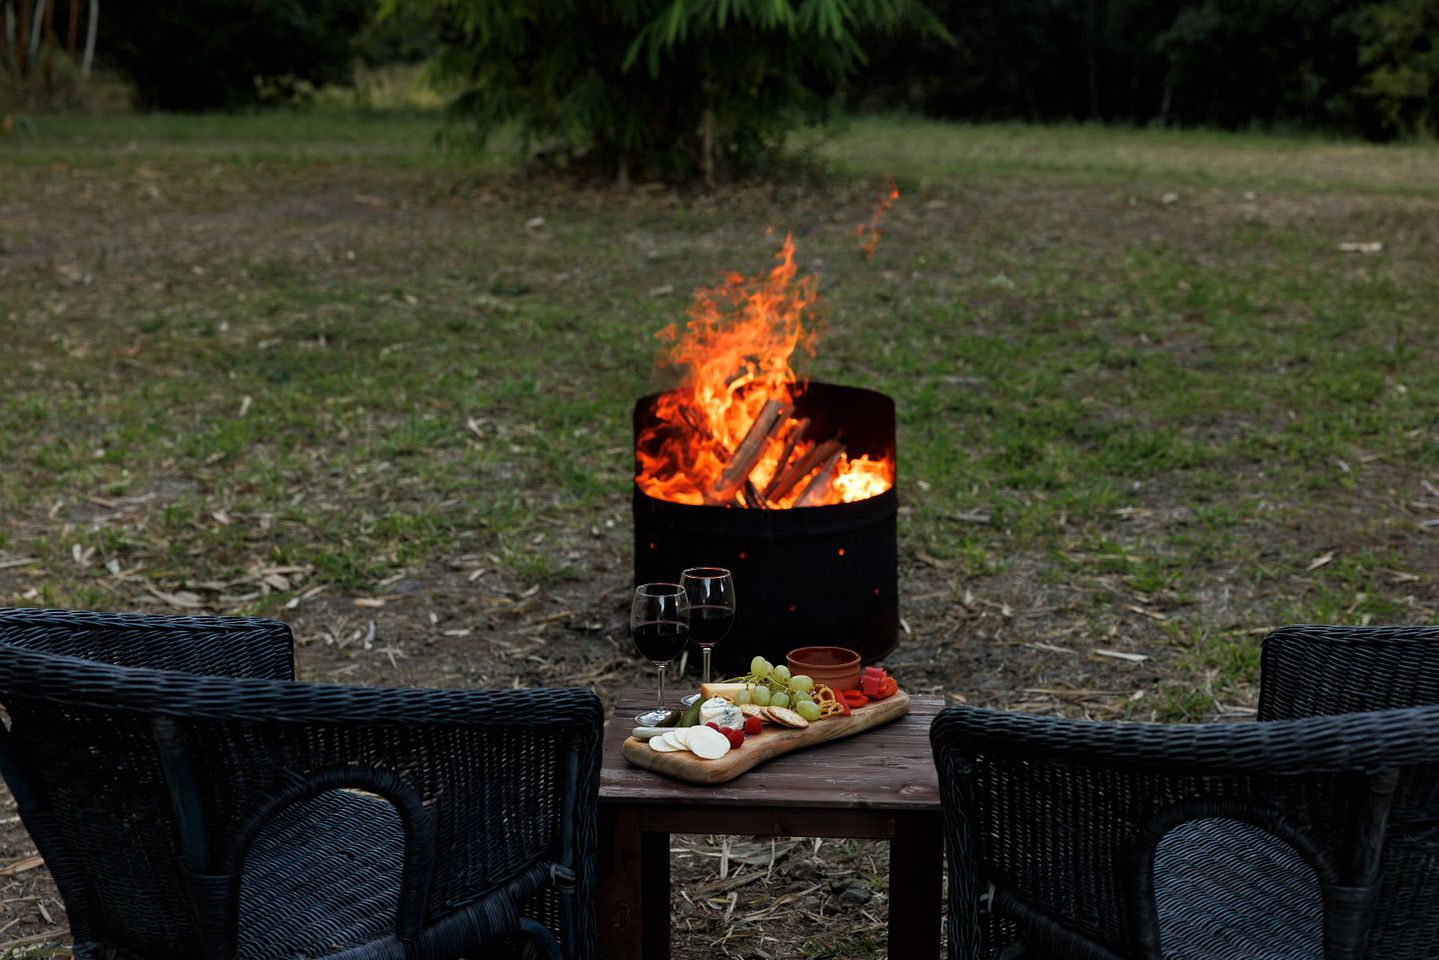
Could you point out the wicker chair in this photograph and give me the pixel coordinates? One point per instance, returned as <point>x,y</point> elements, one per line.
<point>1303,835</point>
<point>193,801</point>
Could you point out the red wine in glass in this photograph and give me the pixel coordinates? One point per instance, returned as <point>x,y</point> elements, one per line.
<point>711,600</point>
<point>660,626</point>
<point>710,623</point>
<point>660,641</point>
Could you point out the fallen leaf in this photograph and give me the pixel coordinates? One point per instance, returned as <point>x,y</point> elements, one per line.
<point>1320,561</point>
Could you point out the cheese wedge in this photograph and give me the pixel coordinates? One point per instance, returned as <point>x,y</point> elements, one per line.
<point>726,690</point>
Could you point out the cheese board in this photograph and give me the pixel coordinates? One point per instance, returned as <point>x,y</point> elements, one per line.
<point>773,742</point>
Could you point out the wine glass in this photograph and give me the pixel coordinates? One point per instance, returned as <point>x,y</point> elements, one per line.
<point>711,595</point>
<point>660,626</point>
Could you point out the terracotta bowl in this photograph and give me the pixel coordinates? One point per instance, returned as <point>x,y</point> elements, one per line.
<point>836,667</point>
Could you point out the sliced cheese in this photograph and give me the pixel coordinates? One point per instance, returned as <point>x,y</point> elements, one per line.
<point>661,745</point>
<point>706,743</point>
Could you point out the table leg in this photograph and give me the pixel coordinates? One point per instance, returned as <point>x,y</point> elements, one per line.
<point>655,894</point>
<point>916,874</point>
<point>619,892</point>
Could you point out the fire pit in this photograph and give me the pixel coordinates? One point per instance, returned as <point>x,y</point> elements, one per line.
<point>788,484</point>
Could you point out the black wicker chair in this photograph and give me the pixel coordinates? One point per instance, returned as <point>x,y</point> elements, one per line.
<point>1292,837</point>
<point>194,802</point>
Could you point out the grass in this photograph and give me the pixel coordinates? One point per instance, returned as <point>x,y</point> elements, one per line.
<point>307,365</point>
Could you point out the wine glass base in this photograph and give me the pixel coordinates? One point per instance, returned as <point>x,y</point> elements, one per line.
<point>652,718</point>
<point>689,701</point>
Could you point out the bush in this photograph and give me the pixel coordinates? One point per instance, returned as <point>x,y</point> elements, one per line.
<point>1399,47</point>
<point>672,87</point>
<point>208,54</point>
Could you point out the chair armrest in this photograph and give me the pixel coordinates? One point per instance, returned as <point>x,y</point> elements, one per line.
<point>211,646</point>
<point>1327,744</point>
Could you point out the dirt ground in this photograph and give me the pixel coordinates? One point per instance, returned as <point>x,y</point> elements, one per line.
<point>1147,607</point>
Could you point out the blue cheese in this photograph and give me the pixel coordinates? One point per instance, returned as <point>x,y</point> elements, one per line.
<point>722,713</point>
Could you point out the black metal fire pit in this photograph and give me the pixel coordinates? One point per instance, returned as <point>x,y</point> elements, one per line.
<point>803,576</point>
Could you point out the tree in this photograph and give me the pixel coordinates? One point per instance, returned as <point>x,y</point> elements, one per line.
<point>207,54</point>
<point>675,87</point>
<point>1399,46</point>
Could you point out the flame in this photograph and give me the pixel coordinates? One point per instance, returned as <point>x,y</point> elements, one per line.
<point>868,233</point>
<point>734,356</point>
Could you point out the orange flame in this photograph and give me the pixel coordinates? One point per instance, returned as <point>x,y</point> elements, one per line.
<point>868,233</point>
<point>734,355</point>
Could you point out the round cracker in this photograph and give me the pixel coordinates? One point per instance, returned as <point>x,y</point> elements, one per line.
<point>787,717</point>
<point>753,710</point>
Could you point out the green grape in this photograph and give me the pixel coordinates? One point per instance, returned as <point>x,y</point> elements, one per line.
<point>799,696</point>
<point>801,683</point>
<point>781,673</point>
<point>807,709</point>
<point>741,696</point>
<point>760,667</point>
<point>780,699</point>
<point>761,696</point>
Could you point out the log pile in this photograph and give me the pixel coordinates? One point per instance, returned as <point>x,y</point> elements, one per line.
<point>819,463</point>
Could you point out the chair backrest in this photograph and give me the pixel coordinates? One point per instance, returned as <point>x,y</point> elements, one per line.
<point>1065,829</point>
<point>1311,670</point>
<point>136,783</point>
<point>211,646</point>
<point>1315,670</point>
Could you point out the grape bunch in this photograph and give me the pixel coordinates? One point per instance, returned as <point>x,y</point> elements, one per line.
<point>775,687</point>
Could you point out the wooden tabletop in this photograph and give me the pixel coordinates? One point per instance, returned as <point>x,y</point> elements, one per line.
<point>887,768</point>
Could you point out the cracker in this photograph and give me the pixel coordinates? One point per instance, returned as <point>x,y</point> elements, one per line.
<point>787,717</point>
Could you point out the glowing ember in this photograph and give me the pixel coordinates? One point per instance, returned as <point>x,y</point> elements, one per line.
<point>868,233</point>
<point>725,435</point>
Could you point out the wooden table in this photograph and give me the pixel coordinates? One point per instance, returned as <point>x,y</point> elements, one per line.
<point>878,785</point>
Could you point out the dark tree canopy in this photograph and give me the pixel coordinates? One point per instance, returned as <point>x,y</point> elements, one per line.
<point>207,54</point>
<point>676,86</point>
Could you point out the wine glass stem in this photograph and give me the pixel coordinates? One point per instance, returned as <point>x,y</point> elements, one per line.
<point>706,664</point>
<point>660,700</point>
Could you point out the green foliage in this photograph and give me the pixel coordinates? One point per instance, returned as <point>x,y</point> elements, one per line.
<point>207,54</point>
<point>1355,65</point>
<point>1399,44</point>
<point>656,86</point>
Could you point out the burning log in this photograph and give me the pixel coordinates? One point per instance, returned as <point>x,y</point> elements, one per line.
<point>748,452</point>
<point>819,486</point>
<point>790,441</point>
<point>800,468</point>
<point>752,496</point>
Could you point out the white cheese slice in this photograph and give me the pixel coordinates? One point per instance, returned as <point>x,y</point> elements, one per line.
<point>661,745</point>
<point>707,744</point>
<point>676,738</point>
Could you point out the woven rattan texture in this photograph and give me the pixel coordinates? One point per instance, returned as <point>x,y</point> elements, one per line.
<point>1311,671</point>
<point>1067,820</point>
<point>109,713</point>
<point>1239,888</point>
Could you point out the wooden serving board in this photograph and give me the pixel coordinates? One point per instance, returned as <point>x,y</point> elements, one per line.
<point>772,742</point>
